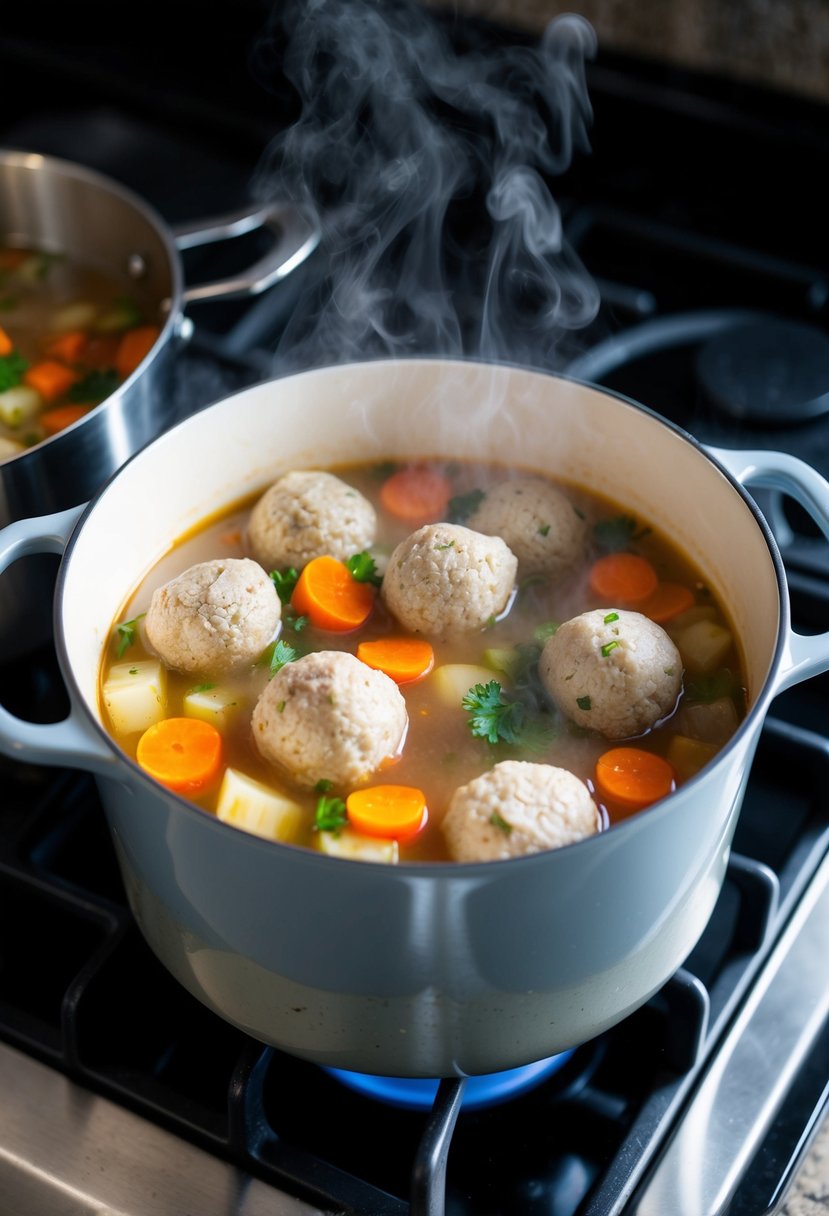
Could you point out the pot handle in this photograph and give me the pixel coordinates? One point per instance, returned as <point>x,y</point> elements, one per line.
<point>295,238</point>
<point>805,656</point>
<point>71,742</point>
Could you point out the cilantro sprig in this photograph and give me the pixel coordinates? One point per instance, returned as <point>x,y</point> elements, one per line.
<point>125,632</point>
<point>285,580</point>
<point>330,815</point>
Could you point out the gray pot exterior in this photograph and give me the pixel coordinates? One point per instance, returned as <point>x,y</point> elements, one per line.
<point>426,971</point>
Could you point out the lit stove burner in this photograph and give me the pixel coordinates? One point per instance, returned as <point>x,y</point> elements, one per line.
<point>414,1093</point>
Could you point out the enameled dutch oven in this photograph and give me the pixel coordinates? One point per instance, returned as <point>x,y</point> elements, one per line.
<point>60,207</point>
<point>430,969</point>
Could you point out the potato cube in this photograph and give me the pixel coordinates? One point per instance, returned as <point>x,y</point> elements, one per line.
<point>357,847</point>
<point>454,680</point>
<point>704,647</point>
<point>19,404</point>
<point>257,808</point>
<point>215,705</point>
<point>135,695</point>
<point>688,756</point>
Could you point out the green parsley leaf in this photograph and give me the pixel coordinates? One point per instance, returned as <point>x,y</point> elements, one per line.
<point>463,505</point>
<point>323,786</point>
<point>330,815</point>
<point>542,632</point>
<point>500,823</point>
<point>544,530</point>
<point>617,534</point>
<point>125,633</point>
<point>584,703</point>
<point>12,367</point>
<point>608,648</point>
<point>363,568</point>
<point>498,720</point>
<point>95,386</point>
<point>285,580</point>
<point>201,688</point>
<point>282,654</point>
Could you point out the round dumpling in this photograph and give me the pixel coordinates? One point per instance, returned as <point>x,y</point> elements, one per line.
<point>616,672</point>
<point>515,808</point>
<point>540,525</point>
<point>308,514</point>
<point>329,717</point>
<point>445,579</point>
<point>214,617</point>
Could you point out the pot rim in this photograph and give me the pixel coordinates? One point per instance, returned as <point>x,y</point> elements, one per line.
<point>427,870</point>
<point>168,307</point>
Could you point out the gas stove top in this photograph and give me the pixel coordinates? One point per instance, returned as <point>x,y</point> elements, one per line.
<point>121,1092</point>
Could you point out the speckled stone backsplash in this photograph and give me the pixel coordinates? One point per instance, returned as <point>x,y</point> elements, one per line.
<point>779,43</point>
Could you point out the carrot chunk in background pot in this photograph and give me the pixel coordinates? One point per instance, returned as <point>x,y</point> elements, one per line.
<point>626,577</point>
<point>417,495</point>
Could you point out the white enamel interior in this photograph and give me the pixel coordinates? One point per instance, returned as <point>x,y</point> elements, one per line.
<point>408,409</point>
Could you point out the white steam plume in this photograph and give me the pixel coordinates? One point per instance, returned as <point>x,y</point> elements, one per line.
<point>427,170</point>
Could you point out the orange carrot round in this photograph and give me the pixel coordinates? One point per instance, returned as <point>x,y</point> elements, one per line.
<point>61,417</point>
<point>417,495</point>
<point>624,577</point>
<point>182,753</point>
<point>50,378</point>
<point>631,778</point>
<point>394,811</point>
<point>328,595</point>
<point>135,345</point>
<point>6,344</point>
<point>404,660</point>
<point>666,602</point>
<point>68,347</point>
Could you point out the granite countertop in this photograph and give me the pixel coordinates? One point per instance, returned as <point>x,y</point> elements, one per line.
<point>778,43</point>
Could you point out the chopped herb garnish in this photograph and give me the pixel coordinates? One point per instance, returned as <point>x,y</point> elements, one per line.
<point>323,786</point>
<point>133,671</point>
<point>363,568</point>
<point>498,720</point>
<point>297,623</point>
<point>463,505</point>
<point>584,703</point>
<point>280,708</point>
<point>201,688</point>
<point>95,386</point>
<point>125,633</point>
<point>449,545</point>
<point>285,580</point>
<point>500,823</point>
<point>12,367</point>
<point>330,815</point>
<point>617,534</point>
<point>544,530</point>
<point>610,618</point>
<point>541,633</point>
<point>608,648</point>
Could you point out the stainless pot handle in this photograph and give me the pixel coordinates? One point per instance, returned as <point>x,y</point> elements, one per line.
<point>71,742</point>
<point>295,238</point>
<point>805,656</point>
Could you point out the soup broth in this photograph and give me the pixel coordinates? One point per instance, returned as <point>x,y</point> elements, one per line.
<point>70,334</point>
<point>441,751</point>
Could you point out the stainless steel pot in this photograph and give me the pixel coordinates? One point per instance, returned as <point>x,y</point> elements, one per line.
<point>61,207</point>
<point>421,970</point>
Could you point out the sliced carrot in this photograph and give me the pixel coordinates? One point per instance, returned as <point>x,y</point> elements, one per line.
<point>404,660</point>
<point>417,494</point>
<point>666,602</point>
<point>61,417</point>
<point>328,595</point>
<point>68,347</point>
<point>182,753</point>
<point>630,778</point>
<point>393,811</point>
<point>625,577</point>
<point>135,345</point>
<point>6,344</point>
<point>50,379</point>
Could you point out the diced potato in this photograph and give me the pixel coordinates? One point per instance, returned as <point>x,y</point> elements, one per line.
<point>19,404</point>
<point>256,808</point>
<point>122,315</point>
<point>216,705</point>
<point>135,695</point>
<point>10,447</point>
<point>688,756</point>
<point>704,647</point>
<point>79,315</point>
<point>454,680</point>
<point>357,847</point>
<point>712,722</point>
<point>504,661</point>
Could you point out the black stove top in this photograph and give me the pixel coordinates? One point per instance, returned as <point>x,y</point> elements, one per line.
<point>698,216</point>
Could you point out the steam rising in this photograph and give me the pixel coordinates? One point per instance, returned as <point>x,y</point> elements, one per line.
<point>427,169</point>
